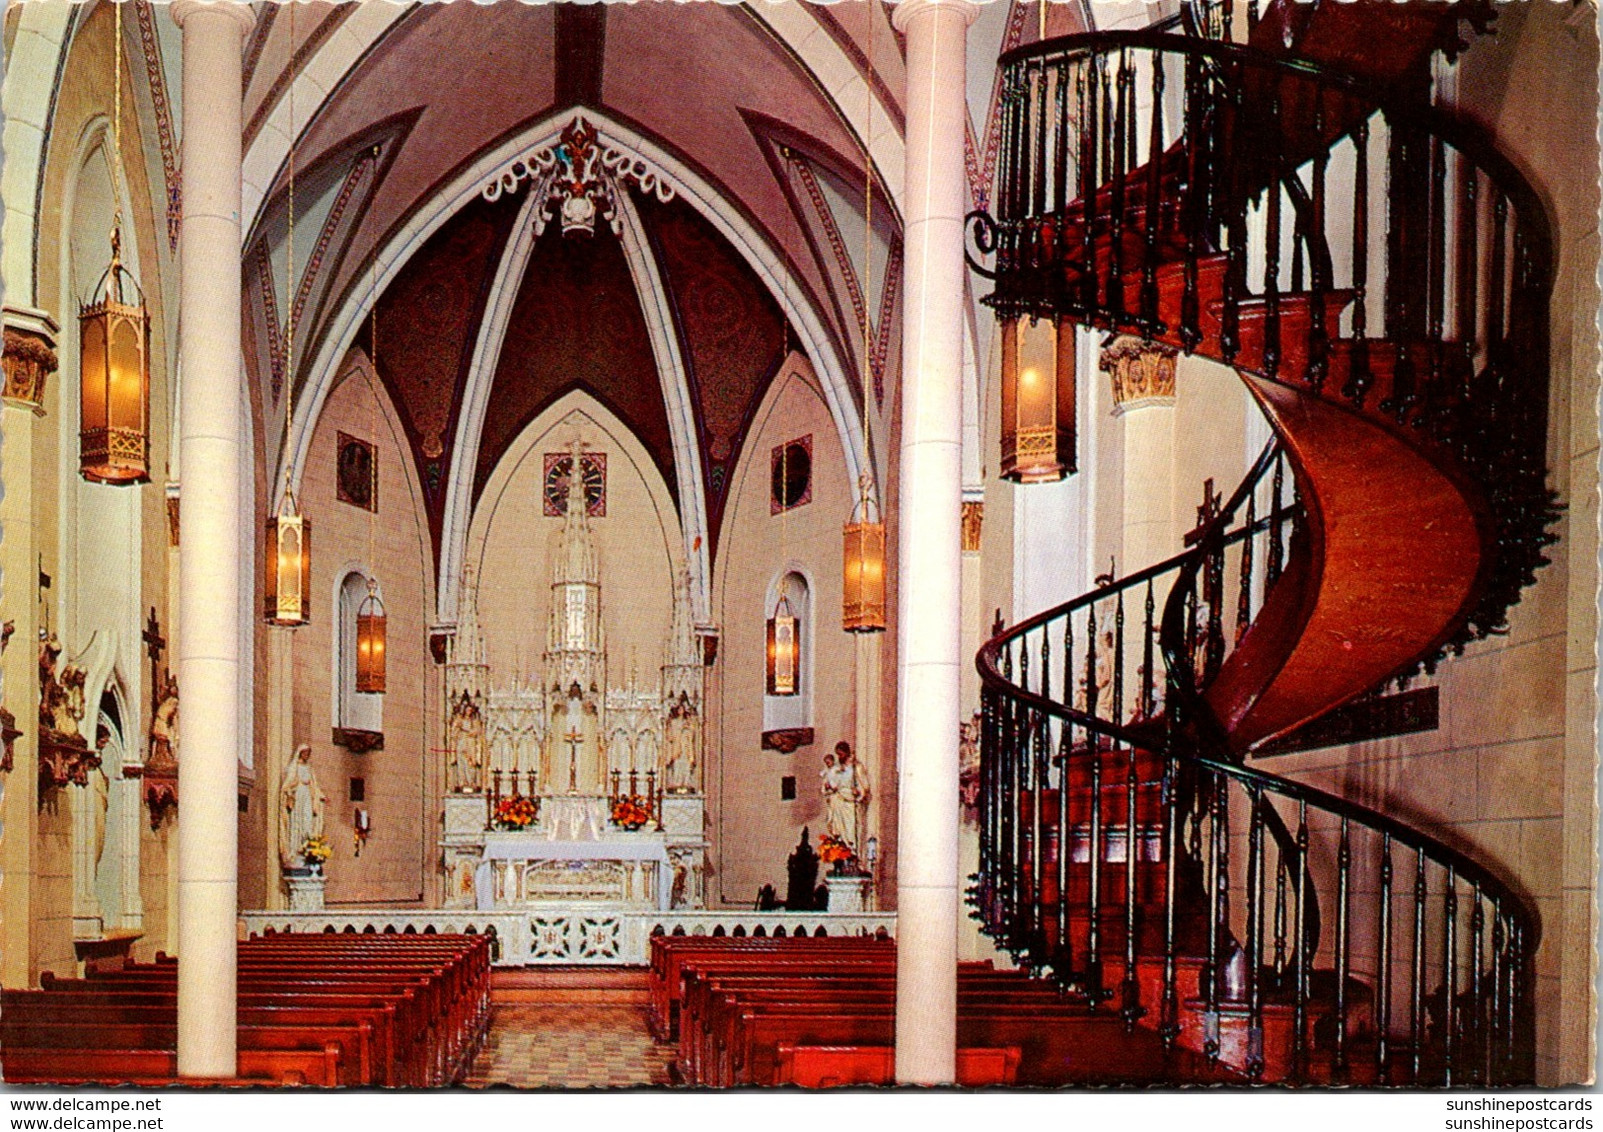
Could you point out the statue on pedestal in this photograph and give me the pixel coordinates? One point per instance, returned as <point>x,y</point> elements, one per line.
<point>301,804</point>
<point>466,744</point>
<point>845,795</point>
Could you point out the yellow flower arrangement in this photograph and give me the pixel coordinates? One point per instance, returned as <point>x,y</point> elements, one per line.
<point>316,850</point>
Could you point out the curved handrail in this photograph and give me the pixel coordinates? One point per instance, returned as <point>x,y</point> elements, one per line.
<point>1462,135</point>
<point>1183,684</point>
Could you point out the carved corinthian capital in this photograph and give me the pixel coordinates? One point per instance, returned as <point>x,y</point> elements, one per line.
<point>1142,372</point>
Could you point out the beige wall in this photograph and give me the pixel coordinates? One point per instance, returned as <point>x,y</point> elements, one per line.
<point>753,830</point>
<point>1510,775</point>
<point>96,585</point>
<point>638,540</point>
<point>397,863</point>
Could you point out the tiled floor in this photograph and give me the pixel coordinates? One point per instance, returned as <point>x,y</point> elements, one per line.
<point>563,1046</point>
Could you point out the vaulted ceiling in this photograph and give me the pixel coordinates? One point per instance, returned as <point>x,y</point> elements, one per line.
<point>716,89</point>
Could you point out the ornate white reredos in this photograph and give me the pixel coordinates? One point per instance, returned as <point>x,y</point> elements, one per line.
<point>576,180</point>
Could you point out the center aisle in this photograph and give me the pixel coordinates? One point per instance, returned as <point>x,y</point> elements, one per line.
<point>570,1030</point>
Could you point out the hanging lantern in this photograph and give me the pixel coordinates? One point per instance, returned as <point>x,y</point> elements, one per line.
<point>289,565</point>
<point>370,643</point>
<point>114,364</point>
<point>1038,403</point>
<point>784,649</point>
<point>863,591</point>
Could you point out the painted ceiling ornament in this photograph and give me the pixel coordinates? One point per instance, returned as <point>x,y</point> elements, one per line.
<point>577,181</point>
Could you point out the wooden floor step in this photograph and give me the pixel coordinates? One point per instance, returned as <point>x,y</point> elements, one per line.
<point>615,986</point>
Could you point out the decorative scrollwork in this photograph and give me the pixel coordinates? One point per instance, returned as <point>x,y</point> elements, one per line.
<point>577,179</point>
<point>983,231</point>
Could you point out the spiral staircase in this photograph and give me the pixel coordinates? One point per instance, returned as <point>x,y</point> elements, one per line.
<point>1177,188</point>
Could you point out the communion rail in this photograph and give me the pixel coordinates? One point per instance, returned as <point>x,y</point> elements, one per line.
<point>567,937</point>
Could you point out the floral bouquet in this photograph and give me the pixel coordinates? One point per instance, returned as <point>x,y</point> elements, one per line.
<point>833,850</point>
<point>316,850</point>
<point>630,813</point>
<point>516,812</point>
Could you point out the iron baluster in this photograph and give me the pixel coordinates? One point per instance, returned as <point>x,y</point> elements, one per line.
<point>1436,295</point>
<point>1219,923</point>
<point>1169,1024</point>
<point>1383,965</point>
<point>1477,928</point>
<point>1449,974</point>
<point>1416,1011</point>
<point>1244,595</point>
<point>1468,253</point>
<point>1300,956</point>
<point>1148,675</point>
<point>1255,864</point>
<point>1093,744</point>
<point>1271,271</point>
<point>1151,322</point>
<point>1195,206</point>
<point>1359,378</point>
<point>1318,333</point>
<point>1121,126</point>
<point>1088,187</point>
<point>1499,943</point>
<point>1344,862</point>
<point>1060,149</point>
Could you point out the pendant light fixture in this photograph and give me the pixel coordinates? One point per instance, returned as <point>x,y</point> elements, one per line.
<point>784,647</point>
<point>114,350</point>
<point>289,533</point>
<point>370,620</point>
<point>1038,401</point>
<point>1038,411</point>
<point>863,550</point>
<point>370,642</point>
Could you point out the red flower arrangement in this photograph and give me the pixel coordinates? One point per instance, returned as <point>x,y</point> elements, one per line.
<point>630,813</point>
<point>516,812</point>
<point>832,849</point>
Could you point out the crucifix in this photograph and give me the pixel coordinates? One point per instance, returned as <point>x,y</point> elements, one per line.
<point>573,737</point>
<point>154,644</point>
<point>1207,512</point>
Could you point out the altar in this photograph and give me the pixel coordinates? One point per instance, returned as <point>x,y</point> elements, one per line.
<point>565,790</point>
<point>629,871</point>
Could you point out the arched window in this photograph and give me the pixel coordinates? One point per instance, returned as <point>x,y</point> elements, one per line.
<point>788,687</point>
<point>358,713</point>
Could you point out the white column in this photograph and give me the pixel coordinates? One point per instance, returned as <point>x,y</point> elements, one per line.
<point>929,620</point>
<point>214,458</point>
<point>1144,401</point>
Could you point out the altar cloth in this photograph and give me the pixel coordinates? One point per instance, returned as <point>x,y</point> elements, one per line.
<point>532,847</point>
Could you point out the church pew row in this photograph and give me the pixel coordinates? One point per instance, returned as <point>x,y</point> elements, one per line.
<point>829,1067</point>
<point>432,1030</point>
<point>711,996</point>
<point>742,1004</point>
<point>318,1010</point>
<point>669,953</point>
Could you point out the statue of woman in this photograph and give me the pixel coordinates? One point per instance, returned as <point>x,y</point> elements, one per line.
<point>301,802</point>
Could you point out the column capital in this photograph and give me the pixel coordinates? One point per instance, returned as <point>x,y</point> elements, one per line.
<point>1142,372</point>
<point>30,356</point>
<point>181,10</point>
<point>905,10</point>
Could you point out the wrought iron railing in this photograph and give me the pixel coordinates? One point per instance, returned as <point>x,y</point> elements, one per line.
<point>1124,852</point>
